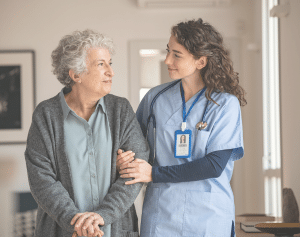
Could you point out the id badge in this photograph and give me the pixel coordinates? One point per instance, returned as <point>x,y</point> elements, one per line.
<point>183,140</point>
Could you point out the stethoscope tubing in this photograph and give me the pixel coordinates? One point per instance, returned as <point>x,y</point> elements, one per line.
<point>152,116</point>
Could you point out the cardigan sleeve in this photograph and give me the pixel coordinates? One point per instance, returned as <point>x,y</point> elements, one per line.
<point>45,187</point>
<point>121,197</point>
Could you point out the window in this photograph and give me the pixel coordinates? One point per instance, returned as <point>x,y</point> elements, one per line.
<point>153,70</point>
<point>271,113</point>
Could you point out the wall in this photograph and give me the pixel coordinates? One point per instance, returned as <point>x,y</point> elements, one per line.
<point>253,124</point>
<point>290,84</point>
<point>39,25</point>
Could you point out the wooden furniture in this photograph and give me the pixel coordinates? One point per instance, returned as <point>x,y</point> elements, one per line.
<point>241,233</point>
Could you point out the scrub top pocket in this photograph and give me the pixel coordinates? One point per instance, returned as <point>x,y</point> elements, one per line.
<point>203,216</point>
<point>195,218</point>
<point>171,211</point>
<point>200,143</point>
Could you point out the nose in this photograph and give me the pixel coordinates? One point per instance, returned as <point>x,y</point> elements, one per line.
<point>168,59</point>
<point>110,71</point>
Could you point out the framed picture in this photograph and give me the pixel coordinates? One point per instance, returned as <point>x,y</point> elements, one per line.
<point>17,94</point>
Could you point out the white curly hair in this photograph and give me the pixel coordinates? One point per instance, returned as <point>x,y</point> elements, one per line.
<point>72,50</point>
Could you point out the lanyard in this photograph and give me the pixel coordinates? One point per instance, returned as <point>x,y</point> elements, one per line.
<point>184,114</point>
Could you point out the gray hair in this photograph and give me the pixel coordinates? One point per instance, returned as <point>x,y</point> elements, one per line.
<point>71,53</point>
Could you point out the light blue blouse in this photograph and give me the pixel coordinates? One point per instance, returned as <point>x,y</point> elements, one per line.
<point>88,148</point>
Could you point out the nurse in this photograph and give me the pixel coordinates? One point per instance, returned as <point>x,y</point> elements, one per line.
<point>188,192</point>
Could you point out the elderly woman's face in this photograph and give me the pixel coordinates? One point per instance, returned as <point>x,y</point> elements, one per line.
<point>98,78</point>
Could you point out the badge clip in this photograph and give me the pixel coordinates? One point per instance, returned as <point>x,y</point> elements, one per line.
<point>183,126</point>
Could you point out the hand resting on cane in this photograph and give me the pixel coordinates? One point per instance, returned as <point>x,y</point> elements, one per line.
<point>87,224</point>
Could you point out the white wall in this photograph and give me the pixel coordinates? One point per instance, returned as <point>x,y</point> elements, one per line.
<point>253,122</point>
<point>290,102</point>
<point>39,25</point>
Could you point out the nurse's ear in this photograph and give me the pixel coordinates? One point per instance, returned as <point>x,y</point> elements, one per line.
<point>201,62</point>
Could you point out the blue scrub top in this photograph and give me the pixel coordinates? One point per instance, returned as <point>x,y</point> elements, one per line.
<point>199,208</point>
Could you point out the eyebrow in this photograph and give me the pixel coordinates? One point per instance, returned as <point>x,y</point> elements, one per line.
<point>99,60</point>
<point>174,50</point>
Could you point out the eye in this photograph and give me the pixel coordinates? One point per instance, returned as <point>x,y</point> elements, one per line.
<point>100,64</point>
<point>110,63</point>
<point>168,50</point>
<point>177,56</point>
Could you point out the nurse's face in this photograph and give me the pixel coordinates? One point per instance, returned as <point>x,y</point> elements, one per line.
<point>181,63</point>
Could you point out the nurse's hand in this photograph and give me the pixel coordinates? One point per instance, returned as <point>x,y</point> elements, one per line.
<point>138,169</point>
<point>124,158</point>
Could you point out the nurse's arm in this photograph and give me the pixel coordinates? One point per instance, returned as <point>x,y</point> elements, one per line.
<point>210,166</point>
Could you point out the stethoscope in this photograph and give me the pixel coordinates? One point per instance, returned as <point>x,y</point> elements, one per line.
<point>199,126</point>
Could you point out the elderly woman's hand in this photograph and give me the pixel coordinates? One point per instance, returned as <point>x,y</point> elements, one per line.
<point>139,169</point>
<point>124,158</point>
<point>87,224</point>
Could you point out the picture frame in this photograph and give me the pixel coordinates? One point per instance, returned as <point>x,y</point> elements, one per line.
<point>17,95</point>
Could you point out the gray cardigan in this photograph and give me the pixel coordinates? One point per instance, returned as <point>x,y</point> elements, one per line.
<point>49,171</point>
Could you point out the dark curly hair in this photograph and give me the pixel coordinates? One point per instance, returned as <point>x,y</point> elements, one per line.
<point>202,39</point>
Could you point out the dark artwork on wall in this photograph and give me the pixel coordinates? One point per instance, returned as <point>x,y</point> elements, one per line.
<point>17,95</point>
<point>10,97</point>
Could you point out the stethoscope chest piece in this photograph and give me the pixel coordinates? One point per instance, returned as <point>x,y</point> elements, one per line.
<point>201,125</point>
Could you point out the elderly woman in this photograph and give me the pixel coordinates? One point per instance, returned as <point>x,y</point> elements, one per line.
<point>72,146</point>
